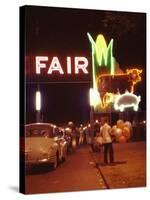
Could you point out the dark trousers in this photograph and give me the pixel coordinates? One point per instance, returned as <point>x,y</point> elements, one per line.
<point>108,150</point>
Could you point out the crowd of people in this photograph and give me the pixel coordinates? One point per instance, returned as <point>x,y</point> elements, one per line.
<point>87,134</point>
<point>99,136</point>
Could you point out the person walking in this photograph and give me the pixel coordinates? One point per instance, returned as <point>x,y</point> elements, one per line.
<point>105,132</point>
<point>81,135</point>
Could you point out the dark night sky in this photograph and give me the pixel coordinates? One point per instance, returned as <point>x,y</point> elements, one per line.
<point>54,31</point>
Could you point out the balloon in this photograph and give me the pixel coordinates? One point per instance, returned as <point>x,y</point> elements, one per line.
<point>120,123</point>
<point>122,139</point>
<point>113,130</point>
<point>114,127</point>
<point>118,133</point>
<point>128,124</point>
<point>126,132</point>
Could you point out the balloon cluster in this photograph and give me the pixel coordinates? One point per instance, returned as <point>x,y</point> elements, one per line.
<point>122,131</point>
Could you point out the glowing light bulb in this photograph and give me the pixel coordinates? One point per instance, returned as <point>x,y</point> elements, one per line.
<point>94,97</point>
<point>38,101</point>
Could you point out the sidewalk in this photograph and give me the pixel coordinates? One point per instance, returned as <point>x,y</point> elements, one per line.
<point>77,173</point>
<point>130,165</point>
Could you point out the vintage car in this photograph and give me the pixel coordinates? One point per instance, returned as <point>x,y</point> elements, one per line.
<point>58,134</point>
<point>41,145</point>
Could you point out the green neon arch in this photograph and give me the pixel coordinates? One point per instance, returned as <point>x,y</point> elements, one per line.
<point>102,56</point>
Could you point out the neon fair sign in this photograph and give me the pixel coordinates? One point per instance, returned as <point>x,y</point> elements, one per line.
<point>133,77</point>
<point>80,65</point>
<point>122,101</point>
<point>127,100</point>
<point>102,57</point>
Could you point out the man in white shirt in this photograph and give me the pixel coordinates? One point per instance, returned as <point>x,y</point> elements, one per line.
<point>105,132</point>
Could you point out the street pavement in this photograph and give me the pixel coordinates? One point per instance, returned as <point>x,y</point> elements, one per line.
<point>77,173</point>
<point>84,170</point>
<point>130,165</point>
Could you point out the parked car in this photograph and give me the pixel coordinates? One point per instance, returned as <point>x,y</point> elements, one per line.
<point>58,134</point>
<point>70,137</point>
<point>41,146</point>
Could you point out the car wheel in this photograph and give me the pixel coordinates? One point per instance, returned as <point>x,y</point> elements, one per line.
<point>55,163</point>
<point>65,155</point>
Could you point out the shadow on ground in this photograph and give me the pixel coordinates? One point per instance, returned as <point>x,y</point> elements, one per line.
<point>40,169</point>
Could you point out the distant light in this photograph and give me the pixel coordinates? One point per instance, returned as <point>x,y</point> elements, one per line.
<point>96,121</point>
<point>94,97</point>
<point>38,101</point>
<point>89,125</point>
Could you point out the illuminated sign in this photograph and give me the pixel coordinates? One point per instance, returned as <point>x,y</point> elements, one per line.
<point>80,64</point>
<point>38,101</point>
<point>107,99</point>
<point>102,55</point>
<point>127,100</point>
<point>134,76</point>
<point>94,97</point>
<point>107,77</point>
<point>106,73</point>
<point>109,85</point>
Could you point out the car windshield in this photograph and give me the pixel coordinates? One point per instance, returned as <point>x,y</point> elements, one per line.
<point>38,133</point>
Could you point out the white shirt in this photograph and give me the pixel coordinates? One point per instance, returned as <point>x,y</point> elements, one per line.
<point>105,131</point>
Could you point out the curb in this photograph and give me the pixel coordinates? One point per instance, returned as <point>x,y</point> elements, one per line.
<point>99,169</point>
